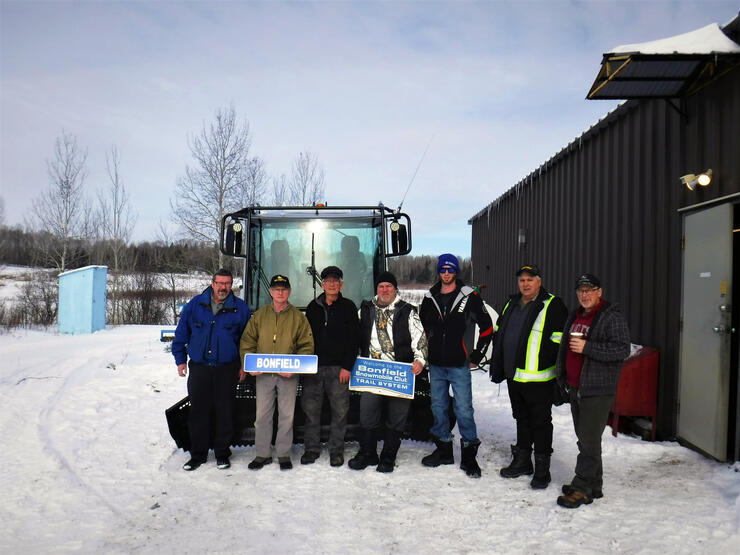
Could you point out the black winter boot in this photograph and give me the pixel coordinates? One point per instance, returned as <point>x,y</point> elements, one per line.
<point>541,477</point>
<point>520,465</point>
<point>368,453</point>
<point>467,459</point>
<point>391,443</point>
<point>441,455</point>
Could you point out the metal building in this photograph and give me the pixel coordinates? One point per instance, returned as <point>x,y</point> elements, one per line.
<point>621,202</point>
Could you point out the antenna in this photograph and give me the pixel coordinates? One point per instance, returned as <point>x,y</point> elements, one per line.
<point>415,172</point>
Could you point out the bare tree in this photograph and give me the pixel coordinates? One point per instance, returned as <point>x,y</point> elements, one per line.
<point>116,223</point>
<point>3,240</point>
<point>219,180</point>
<point>116,218</point>
<point>280,190</point>
<point>307,180</point>
<point>255,183</point>
<point>171,267</point>
<point>61,210</point>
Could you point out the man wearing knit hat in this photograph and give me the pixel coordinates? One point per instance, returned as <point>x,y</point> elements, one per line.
<point>389,330</point>
<point>448,309</point>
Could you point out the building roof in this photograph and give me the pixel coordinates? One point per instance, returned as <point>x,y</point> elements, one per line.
<point>730,31</point>
<point>673,67</point>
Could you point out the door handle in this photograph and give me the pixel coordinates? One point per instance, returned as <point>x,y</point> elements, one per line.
<point>722,329</point>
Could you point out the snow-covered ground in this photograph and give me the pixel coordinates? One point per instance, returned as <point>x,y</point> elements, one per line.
<point>88,466</point>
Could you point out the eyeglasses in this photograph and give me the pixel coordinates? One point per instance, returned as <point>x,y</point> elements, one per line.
<point>447,271</point>
<point>221,282</point>
<point>586,291</point>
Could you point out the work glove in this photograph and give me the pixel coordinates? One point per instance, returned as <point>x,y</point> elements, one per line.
<point>561,394</point>
<point>497,375</point>
<point>476,357</point>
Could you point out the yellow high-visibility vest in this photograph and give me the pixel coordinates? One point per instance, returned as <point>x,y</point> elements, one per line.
<point>531,371</point>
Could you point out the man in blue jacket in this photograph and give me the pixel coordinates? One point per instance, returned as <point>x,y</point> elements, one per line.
<point>208,333</point>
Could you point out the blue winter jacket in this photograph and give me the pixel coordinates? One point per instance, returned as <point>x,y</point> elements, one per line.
<point>207,338</point>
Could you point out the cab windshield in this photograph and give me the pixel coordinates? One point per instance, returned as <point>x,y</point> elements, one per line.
<point>295,246</point>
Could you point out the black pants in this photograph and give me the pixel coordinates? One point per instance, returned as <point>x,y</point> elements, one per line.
<point>212,392</point>
<point>531,405</point>
<point>374,407</point>
<point>326,381</point>
<point>589,420</point>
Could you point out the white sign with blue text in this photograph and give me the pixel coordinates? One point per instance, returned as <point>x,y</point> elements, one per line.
<point>292,364</point>
<point>383,377</point>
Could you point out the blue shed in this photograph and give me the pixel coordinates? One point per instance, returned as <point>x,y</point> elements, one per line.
<point>82,296</point>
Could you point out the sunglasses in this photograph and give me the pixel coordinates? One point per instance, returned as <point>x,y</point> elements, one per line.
<point>447,271</point>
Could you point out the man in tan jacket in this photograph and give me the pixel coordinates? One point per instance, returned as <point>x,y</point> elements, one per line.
<point>277,328</point>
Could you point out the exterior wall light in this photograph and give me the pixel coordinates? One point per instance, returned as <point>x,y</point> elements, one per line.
<point>691,180</point>
<point>704,178</point>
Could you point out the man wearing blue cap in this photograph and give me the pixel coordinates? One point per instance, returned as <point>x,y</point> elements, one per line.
<point>448,309</point>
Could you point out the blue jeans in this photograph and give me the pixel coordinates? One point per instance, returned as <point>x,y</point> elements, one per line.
<point>441,378</point>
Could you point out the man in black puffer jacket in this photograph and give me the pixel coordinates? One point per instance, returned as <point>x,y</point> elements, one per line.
<point>336,331</point>
<point>449,309</point>
<point>589,365</point>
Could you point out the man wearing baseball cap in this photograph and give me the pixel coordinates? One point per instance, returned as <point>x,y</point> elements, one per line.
<point>276,328</point>
<point>525,349</point>
<point>589,365</point>
<point>336,330</point>
<point>448,309</point>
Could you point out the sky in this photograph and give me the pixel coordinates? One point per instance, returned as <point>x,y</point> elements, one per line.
<point>491,90</point>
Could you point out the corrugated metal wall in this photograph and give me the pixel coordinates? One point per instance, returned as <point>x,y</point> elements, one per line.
<point>608,204</point>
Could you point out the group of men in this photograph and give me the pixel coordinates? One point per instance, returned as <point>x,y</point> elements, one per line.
<point>217,329</point>
<point>541,369</point>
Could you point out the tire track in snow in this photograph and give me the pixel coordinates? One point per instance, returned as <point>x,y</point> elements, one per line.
<point>46,428</point>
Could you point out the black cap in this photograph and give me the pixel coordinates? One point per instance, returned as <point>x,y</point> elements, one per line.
<point>588,279</point>
<point>331,271</point>
<point>530,269</point>
<point>279,280</point>
<point>386,277</point>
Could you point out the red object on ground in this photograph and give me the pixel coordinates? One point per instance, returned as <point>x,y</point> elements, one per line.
<point>637,392</point>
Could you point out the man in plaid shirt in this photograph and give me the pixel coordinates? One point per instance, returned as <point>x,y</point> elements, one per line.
<point>589,364</point>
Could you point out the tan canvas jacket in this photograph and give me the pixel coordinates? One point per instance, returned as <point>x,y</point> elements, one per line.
<point>286,332</point>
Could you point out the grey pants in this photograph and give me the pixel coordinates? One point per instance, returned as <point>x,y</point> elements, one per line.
<point>325,381</point>
<point>269,387</point>
<point>589,420</point>
<point>380,409</point>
